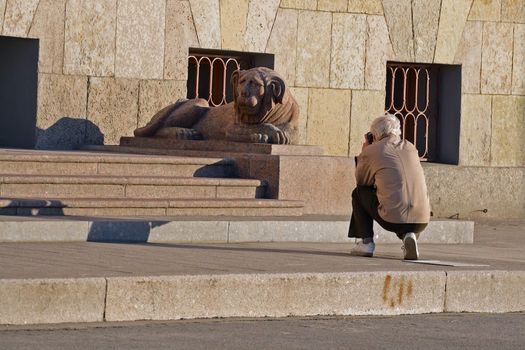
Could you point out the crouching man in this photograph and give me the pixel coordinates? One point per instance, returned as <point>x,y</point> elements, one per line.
<point>391,189</point>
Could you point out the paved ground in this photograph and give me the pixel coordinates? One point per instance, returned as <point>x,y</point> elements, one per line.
<point>438,331</point>
<point>500,245</point>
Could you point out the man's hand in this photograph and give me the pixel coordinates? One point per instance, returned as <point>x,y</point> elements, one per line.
<point>365,144</point>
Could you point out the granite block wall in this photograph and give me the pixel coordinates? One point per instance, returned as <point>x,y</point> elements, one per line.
<point>322,48</point>
<point>110,64</point>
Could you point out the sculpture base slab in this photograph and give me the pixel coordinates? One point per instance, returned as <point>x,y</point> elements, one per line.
<point>220,146</point>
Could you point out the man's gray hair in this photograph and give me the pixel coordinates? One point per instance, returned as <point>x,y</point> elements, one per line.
<point>385,125</point>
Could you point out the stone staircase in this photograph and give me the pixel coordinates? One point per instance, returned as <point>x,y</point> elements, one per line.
<point>102,184</point>
<point>185,192</point>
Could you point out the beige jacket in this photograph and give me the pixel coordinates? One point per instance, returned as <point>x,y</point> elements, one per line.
<point>392,165</point>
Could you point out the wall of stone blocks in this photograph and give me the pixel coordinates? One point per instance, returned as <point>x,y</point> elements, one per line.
<point>108,65</point>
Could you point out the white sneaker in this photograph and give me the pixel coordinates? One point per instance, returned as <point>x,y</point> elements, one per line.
<point>410,246</point>
<point>362,249</point>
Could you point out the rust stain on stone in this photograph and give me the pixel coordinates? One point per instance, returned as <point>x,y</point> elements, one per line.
<point>386,287</point>
<point>410,290</point>
<point>396,291</point>
<point>400,291</point>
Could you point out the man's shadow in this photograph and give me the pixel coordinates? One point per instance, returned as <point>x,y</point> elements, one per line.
<point>121,231</point>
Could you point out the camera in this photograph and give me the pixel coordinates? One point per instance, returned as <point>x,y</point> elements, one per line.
<point>369,138</point>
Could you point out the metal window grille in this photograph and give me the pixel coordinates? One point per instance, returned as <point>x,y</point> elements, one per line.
<point>408,97</point>
<point>212,77</point>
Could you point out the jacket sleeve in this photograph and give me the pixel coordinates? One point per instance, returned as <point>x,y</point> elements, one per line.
<point>363,171</point>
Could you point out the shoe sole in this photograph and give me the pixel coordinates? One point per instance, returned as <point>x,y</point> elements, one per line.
<point>366,255</point>
<point>411,252</point>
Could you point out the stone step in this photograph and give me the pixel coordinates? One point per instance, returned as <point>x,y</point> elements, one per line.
<point>149,207</point>
<point>225,229</point>
<point>36,162</point>
<point>38,186</point>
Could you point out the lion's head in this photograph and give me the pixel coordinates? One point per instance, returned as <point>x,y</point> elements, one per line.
<point>256,91</point>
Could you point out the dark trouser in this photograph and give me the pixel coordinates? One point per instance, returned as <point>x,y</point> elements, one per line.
<point>364,205</point>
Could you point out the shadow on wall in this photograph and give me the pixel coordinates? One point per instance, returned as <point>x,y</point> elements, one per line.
<point>69,133</point>
<point>122,231</point>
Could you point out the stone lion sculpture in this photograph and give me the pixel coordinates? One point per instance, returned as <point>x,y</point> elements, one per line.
<point>263,111</point>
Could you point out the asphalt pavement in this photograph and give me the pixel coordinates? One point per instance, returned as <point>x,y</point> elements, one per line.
<point>429,332</point>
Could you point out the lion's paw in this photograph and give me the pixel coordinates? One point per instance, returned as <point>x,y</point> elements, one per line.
<point>259,138</point>
<point>278,137</point>
<point>268,133</point>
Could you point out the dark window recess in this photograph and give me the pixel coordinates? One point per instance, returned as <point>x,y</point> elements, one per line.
<point>427,100</point>
<point>18,91</point>
<point>209,72</point>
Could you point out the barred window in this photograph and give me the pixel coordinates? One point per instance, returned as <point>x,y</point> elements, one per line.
<point>426,98</point>
<point>209,72</point>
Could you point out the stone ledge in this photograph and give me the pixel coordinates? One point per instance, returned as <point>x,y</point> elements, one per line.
<point>28,301</point>
<point>207,229</point>
<point>485,291</point>
<point>274,295</point>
